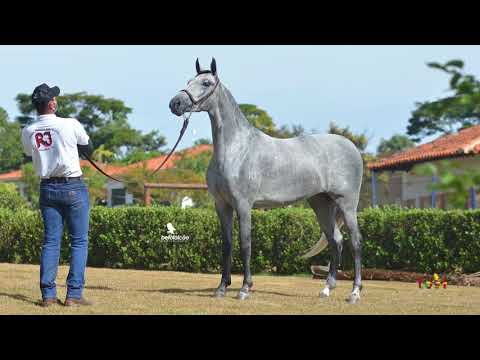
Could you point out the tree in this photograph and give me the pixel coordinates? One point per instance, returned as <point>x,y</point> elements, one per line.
<point>197,163</point>
<point>202,141</point>
<point>451,113</point>
<point>285,132</point>
<point>453,179</point>
<point>96,184</point>
<point>11,150</point>
<point>395,144</point>
<point>258,118</point>
<point>264,122</point>
<point>360,140</point>
<point>137,155</point>
<point>105,119</point>
<point>102,155</point>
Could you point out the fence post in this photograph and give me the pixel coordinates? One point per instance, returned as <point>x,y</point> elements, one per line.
<point>473,198</point>
<point>434,192</point>
<point>147,196</point>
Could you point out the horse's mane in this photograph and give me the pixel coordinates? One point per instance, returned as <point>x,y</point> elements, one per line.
<point>239,116</point>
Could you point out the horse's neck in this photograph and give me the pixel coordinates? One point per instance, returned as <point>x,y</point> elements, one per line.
<point>230,128</point>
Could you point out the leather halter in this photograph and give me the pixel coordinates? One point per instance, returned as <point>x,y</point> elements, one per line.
<point>186,118</point>
<point>205,97</point>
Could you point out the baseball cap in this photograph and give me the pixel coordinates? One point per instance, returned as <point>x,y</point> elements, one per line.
<point>44,93</point>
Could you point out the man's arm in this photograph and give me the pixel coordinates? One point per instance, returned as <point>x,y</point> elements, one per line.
<point>85,149</point>
<point>27,146</point>
<point>84,144</point>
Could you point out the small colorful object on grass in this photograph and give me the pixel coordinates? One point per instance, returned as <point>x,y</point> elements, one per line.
<point>427,284</point>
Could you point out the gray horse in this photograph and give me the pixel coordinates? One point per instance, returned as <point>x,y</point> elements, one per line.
<point>251,169</point>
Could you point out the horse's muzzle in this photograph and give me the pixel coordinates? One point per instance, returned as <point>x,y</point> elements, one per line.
<point>180,104</point>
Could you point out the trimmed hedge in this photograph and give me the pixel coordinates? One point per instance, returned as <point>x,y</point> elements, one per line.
<point>422,240</point>
<point>10,198</point>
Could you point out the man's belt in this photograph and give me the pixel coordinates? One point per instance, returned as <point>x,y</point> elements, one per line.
<point>57,180</point>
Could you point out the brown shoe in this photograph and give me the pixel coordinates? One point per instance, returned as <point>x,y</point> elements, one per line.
<point>48,302</point>
<point>76,302</point>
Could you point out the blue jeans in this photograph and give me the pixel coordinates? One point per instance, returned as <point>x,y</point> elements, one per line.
<point>60,202</point>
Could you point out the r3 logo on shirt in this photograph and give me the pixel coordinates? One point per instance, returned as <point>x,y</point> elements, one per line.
<point>43,140</point>
<point>52,142</point>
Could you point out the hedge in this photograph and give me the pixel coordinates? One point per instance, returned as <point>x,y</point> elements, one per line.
<point>422,240</point>
<point>10,197</point>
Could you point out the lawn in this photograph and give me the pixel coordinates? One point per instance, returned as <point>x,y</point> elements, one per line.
<point>165,292</point>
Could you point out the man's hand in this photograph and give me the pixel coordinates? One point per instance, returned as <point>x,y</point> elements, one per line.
<point>85,149</point>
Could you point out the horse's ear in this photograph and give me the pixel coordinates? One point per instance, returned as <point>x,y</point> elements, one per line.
<point>213,66</point>
<point>197,65</point>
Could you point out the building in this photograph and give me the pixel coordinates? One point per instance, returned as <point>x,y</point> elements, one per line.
<point>406,187</point>
<point>116,193</point>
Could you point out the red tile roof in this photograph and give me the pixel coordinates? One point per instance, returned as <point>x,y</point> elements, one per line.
<point>11,176</point>
<point>110,169</point>
<point>153,163</point>
<point>463,143</point>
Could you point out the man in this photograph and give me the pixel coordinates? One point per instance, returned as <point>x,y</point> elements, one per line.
<point>54,143</point>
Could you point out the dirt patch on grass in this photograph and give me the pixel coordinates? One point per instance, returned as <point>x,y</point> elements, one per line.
<point>320,272</point>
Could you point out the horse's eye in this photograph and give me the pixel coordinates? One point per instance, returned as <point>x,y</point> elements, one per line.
<point>206,83</point>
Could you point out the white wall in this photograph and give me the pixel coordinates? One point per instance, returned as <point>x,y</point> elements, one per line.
<point>116,185</point>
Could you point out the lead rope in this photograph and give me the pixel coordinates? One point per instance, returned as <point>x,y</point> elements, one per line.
<point>98,168</point>
<point>182,131</point>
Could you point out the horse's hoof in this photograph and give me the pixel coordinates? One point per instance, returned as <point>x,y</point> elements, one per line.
<point>242,295</point>
<point>325,293</point>
<point>219,293</point>
<point>353,299</point>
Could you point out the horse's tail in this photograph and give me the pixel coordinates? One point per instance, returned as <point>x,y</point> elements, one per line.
<point>323,242</point>
<point>317,248</point>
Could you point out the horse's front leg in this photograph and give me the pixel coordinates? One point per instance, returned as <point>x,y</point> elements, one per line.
<point>225,214</point>
<point>244,212</point>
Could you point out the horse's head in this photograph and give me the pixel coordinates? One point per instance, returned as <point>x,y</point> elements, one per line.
<point>199,94</point>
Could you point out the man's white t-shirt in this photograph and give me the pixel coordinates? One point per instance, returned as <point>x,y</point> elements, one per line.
<point>52,141</point>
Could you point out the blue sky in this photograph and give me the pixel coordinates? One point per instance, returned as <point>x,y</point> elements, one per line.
<point>372,89</point>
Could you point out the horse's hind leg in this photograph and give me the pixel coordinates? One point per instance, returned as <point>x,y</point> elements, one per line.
<point>326,210</point>
<point>349,209</point>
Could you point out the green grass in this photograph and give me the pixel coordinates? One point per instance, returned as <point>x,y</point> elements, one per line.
<point>164,292</point>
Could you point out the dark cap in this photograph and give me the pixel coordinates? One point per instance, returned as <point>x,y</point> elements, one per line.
<point>43,93</point>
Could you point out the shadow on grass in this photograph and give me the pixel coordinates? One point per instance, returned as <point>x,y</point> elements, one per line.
<point>21,298</point>
<point>94,288</point>
<point>206,292</point>
<point>193,292</point>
